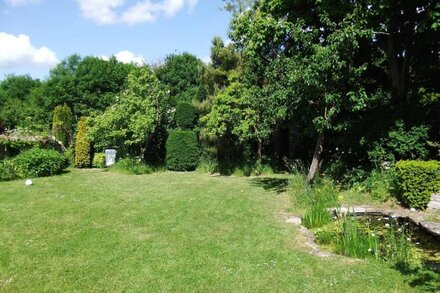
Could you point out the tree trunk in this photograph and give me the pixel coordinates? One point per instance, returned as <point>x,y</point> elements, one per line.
<point>314,166</point>
<point>259,149</point>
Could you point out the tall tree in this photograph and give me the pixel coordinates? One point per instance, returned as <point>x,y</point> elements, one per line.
<point>181,74</point>
<point>132,121</point>
<point>306,52</point>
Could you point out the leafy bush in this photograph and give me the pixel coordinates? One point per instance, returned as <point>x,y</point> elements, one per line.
<point>8,170</point>
<point>380,184</point>
<point>82,146</point>
<point>39,162</point>
<point>99,160</point>
<point>62,124</point>
<point>416,181</point>
<point>401,144</point>
<point>183,152</point>
<point>130,166</point>
<point>185,116</point>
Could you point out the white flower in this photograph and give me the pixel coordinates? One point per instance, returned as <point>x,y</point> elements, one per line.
<point>28,182</point>
<point>387,225</point>
<point>369,249</point>
<point>372,234</point>
<point>399,230</point>
<point>408,239</point>
<point>388,246</point>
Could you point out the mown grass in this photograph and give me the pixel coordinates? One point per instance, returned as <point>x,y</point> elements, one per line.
<point>100,231</point>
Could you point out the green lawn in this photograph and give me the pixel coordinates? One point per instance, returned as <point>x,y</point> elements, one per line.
<point>98,231</point>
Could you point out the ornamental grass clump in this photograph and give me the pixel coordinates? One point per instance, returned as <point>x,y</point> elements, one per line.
<point>316,216</point>
<point>130,166</point>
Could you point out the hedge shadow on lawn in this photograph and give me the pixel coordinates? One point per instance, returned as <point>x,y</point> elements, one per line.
<point>279,185</point>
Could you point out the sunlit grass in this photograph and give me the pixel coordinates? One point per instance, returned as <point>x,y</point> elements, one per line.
<point>100,231</point>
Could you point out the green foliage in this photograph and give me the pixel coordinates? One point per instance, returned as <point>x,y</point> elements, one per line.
<point>89,84</point>
<point>239,112</point>
<point>40,162</point>
<point>82,145</point>
<point>62,124</point>
<point>225,61</point>
<point>182,150</point>
<point>17,107</point>
<point>401,145</point>
<point>185,115</point>
<point>316,216</point>
<point>130,124</point>
<point>417,181</point>
<point>323,192</point>
<point>98,160</point>
<point>181,74</point>
<point>12,147</point>
<point>380,184</point>
<point>130,166</point>
<point>9,170</point>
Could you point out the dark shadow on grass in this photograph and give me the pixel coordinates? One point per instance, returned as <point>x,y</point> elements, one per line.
<point>278,185</point>
<point>426,278</point>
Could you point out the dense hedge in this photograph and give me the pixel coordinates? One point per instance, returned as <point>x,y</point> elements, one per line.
<point>185,116</point>
<point>39,162</point>
<point>417,181</point>
<point>82,146</point>
<point>62,124</point>
<point>182,150</point>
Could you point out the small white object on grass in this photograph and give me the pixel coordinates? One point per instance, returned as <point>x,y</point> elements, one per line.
<point>28,182</point>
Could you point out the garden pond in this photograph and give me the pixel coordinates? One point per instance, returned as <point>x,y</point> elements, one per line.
<point>396,239</point>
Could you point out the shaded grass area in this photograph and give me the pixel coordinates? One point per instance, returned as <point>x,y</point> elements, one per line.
<point>98,231</point>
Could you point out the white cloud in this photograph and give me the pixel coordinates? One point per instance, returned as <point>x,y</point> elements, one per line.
<point>100,11</point>
<point>20,2</point>
<point>106,11</point>
<point>127,57</point>
<point>18,51</point>
<point>130,57</point>
<point>141,12</point>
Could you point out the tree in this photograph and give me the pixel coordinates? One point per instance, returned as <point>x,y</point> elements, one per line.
<point>306,53</point>
<point>15,103</point>
<point>62,124</point>
<point>83,154</point>
<point>181,75</point>
<point>133,120</point>
<point>88,85</point>
<point>241,112</point>
<point>224,61</point>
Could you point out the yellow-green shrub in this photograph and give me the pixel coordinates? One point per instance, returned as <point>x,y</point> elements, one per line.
<point>417,181</point>
<point>82,146</point>
<point>98,160</point>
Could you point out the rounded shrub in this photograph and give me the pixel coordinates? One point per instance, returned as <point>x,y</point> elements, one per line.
<point>98,160</point>
<point>417,181</point>
<point>82,146</point>
<point>182,150</point>
<point>62,124</point>
<point>40,162</point>
<point>185,116</point>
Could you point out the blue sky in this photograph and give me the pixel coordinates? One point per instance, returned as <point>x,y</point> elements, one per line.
<point>36,34</point>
